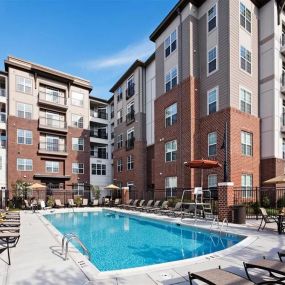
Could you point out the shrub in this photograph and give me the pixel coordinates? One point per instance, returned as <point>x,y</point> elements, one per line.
<point>265,202</point>
<point>50,201</point>
<point>78,201</point>
<point>281,202</point>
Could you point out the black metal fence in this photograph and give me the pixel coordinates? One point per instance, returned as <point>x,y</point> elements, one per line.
<point>4,196</point>
<point>271,198</point>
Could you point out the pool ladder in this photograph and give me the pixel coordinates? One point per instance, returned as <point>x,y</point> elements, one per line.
<point>65,241</point>
<point>216,221</point>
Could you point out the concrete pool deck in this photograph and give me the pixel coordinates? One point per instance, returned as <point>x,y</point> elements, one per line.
<point>37,259</point>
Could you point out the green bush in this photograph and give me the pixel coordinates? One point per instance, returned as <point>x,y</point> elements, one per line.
<point>265,202</point>
<point>78,201</point>
<point>50,201</point>
<point>281,202</point>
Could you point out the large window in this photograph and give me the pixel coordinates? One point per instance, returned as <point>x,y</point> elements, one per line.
<point>120,141</point>
<point>78,144</point>
<point>171,79</point>
<point>119,94</point>
<point>23,84</point>
<point>98,169</point>
<point>213,101</point>
<point>245,17</point>
<point>119,117</point>
<point>119,165</point>
<point>77,121</point>
<point>170,43</point>
<point>245,101</point>
<point>212,18</point>
<point>212,181</point>
<point>77,99</point>
<point>130,162</point>
<point>212,60</point>
<point>212,143</point>
<point>24,110</point>
<point>246,185</point>
<point>171,115</point>
<point>78,189</point>
<point>24,164</point>
<point>246,143</point>
<point>24,136</point>
<point>52,166</point>
<point>77,168</point>
<point>170,150</point>
<point>245,59</point>
<point>170,186</point>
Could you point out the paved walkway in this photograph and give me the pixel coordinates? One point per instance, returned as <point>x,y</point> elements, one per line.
<point>36,259</point>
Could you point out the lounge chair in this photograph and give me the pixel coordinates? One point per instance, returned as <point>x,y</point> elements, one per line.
<point>71,203</point>
<point>271,266</point>
<point>84,202</point>
<point>27,205</point>
<point>174,212</point>
<point>281,254</point>
<point>140,204</point>
<point>106,202</point>
<point>266,219</point>
<point>43,205</point>
<point>148,205</point>
<point>9,217</point>
<point>128,203</point>
<point>95,202</point>
<point>156,205</point>
<point>164,206</point>
<point>135,203</point>
<point>10,223</point>
<point>57,203</point>
<point>9,240</point>
<point>9,229</point>
<point>117,202</point>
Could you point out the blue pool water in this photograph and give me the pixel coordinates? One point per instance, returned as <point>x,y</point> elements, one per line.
<point>120,241</point>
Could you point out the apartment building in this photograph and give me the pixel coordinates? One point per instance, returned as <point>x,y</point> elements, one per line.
<point>3,129</point>
<point>101,142</point>
<point>130,131</point>
<point>48,126</point>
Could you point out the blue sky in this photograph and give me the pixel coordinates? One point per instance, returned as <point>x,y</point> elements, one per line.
<point>94,39</point>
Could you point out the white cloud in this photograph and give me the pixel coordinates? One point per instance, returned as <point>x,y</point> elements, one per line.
<point>124,57</point>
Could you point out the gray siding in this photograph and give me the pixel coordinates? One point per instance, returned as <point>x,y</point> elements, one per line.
<point>159,70</point>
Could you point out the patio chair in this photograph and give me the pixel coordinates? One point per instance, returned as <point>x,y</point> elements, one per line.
<point>148,205</point>
<point>8,240</point>
<point>281,254</point>
<point>140,204</point>
<point>135,203</point>
<point>174,211</point>
<point>156,205</point>
<point>128,203</point>
<point>71,203</point>
<point>95,203</point>
<point>57,203</point>
<point>106,202</point>
<point>164,206</point>
<point>266,219</point>
<point>9,229</point>
<point>117,202</point>
<point>27,205</point>
<point>43,205</point>
<point>84,202</point>
<point>273,267</point>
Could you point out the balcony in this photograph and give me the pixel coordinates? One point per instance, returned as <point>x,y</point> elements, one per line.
<point>99,115</point>
<point>282,48</point>
<point>283,122</point>
<point>2,117</point>
<point>130,143</point>
<point>98,134</point>
<point>99,154</point>
<point>112,114</point>
<point>112,135</point>
<point>130,91</point>
<point>130,117</point>
<point>52,124</point>
<point>52,148</point>
<point>54,101</point>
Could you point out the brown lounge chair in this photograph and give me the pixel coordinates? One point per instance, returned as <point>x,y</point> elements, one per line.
<point>221,277</point>
<point>117,202</point>
<point>164,206</point>
<point>124,205</point>
<point>148,205</point>
<point>70,203</point>
<point>174,212</point>
<point>10,224</point>
<point>266,219</point>
<point>156,205</point>
<point>9,240</point>
<point>57,203</point>
<point>84,202</point>
<point>95,203</point>
<point>140,204</point>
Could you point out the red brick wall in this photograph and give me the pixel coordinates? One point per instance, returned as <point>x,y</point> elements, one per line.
<point>150,165</point>
<point>271,167</point>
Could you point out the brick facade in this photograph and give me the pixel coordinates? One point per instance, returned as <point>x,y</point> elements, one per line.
<point>271,167</point>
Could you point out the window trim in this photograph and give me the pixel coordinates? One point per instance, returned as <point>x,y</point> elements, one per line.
<point>72,167</point>
<point>250,50</point>
<point>76,105</point>
<point>170,72</point>
<point>171,116</point>
<point>248,91</point>
<point>242,187</point>
<point>120,165</point>
<point>217,60</point>
<point>25,137</point>
<point>25,164</point>
<point>77,121</point>
<point>130,163</point>
<point>244,28</point>
<point>169,36</point>
<point>170,188</point>
<point>209,32</point>
<point>216,144</point>
<point>211,175</point>
<point>25,78</point>
<point>52,161</point>
<point>96,169</point>
<point>251,136</point>
<point>171,152</point>
<point>32,110</point>
<point>217,100</point>
<point>77,144</point>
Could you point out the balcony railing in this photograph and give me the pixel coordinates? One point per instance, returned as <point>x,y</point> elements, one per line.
<point>130,91</point>
<point>2,117</point>
<point>99,154</point>
<point>52,147</point>
<point>99,114</point>
<point>99,135</point>
<point>130,117</point>
<point>2,92</point>
<point>130,143</point>
<point>52,123</point>
<point>56,100</point>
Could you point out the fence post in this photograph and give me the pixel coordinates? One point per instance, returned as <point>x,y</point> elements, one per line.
<point>225,200</point>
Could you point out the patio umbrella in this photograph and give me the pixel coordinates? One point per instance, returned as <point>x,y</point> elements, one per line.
<point>203,164</point>
<point>276,180</point>
<point>37,187</point>
<point>111,187</point>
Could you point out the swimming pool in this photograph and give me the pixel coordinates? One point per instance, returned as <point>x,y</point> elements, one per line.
<point>121,241</point>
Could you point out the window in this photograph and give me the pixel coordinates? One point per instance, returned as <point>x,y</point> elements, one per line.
<point>130,162</point>
<point>119,117</point>
<point>23,84</point>
<point>130,91</point>
<point>52,166</point>
<point>78,144</point>
<point>170,43</point>
<point>98,169</point>
<point>245,59</point>
<point>130,112</point>
<point>24,136</point>
<point>171,115</point>
<point>245,18</point>
<point>212,181</point>
<point>213,101</point>
<point>245,101</point>
<point>171,79</point>
<point>170,186</point>
<point>77,99</point>
<point>24,164</point>
<point>246,143</point>
<point>24,111</point>
<point>212,143</point>
<point>246,185</point>
<point>212,60</point>
<point>212,18</point>
<point>77,121</point>
<point>119,94</point>
<point>120,165</point>
<point>78,189</point>
<point>77,168</point>
<point>170,150</point>
<point>130,139</point>
<point>120,141</point>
